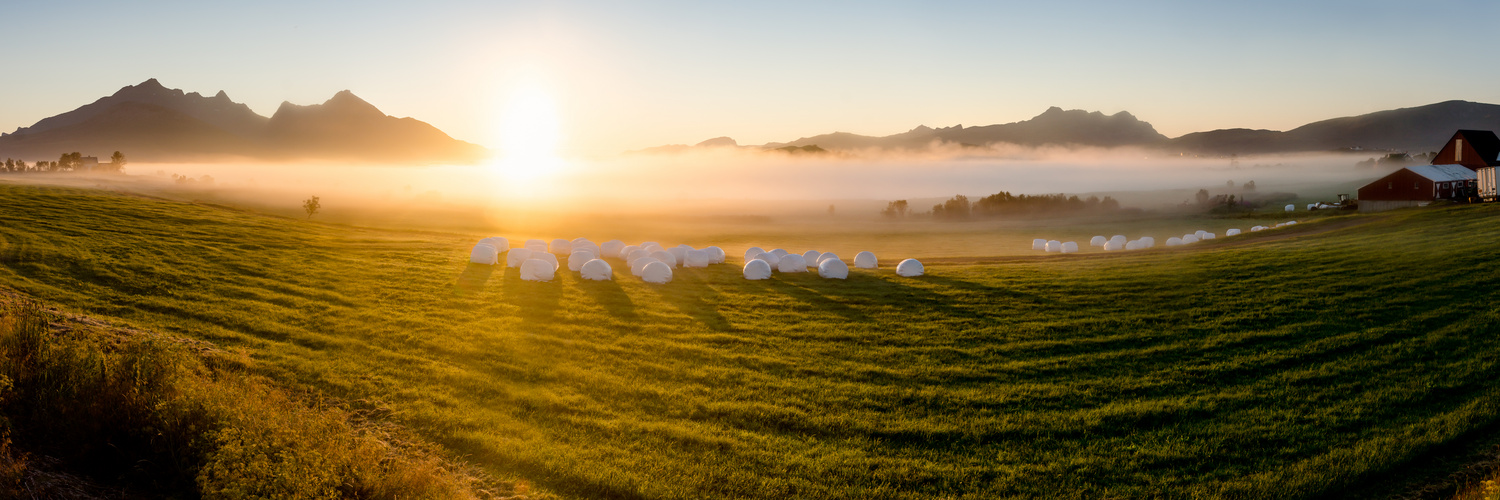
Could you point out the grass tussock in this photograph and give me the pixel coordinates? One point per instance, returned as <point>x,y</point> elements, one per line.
<point>150,414</point>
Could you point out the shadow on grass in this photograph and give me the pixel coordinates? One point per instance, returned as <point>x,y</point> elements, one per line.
<point>611,296</point>
<point>829,295</point>
<point>473,278</point>
<point>537,300</point>
<point>690,292</point>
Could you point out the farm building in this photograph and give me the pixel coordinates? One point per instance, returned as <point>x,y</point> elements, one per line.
<point>1474,149</point>
<point>1416,186</point>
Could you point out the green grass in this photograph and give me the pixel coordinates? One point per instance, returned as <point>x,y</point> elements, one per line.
<point>1284,367</point>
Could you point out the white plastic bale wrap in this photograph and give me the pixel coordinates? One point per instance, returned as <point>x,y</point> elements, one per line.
<point>909,268</point>
<point>757,269</point>
<point>545,257</point>
<point>1120,238</point>
<point>779,252</point>
<point>752,252</point>
<point>716,255</point>
<point>833,269</point>
<point>866,260</point>
<point>639,264</point>
<point>636,255</point>
<point>1070,247</point>
<point>1199,233</point>
<point>1038,244</point>
<point>827,256</point>
<point>1311,206</point>
<point>516,256</point>
<point>1133,245</point>
<point>652,247</point>
<point>1257,228</point>
<point>665,257</point>
<point>597,270</point>
<point>536,246</point>
<point>627,250</point>
<point>1097,241</point>
<point>579,241</point>
<point>1208,236</point>
<point>697,258</point>
<point>811,256</point>
<point>561,247</point>
<point>1148,241</point>
<point>1174,241</point>
<point>501,244</point>
<point>1189,238</point>
<point>1232,232</point>
<point>588,247</point>
<point>1053,246</point>
<point>538,269</point>
<point>1290,222</point>
<point>770,258</point>
<point>484,254</point>
<point>679,253</point>
<point>1112,245</point>
<point>611,248</point>
<point>1291,208</point>
<point>645,244</point>
<point>656,272</point>
<point>792,263</point>
<point>576,261</point>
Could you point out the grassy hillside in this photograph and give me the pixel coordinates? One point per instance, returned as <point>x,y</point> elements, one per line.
<point>1282,367</point>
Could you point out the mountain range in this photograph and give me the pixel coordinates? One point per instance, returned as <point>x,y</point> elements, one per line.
<point>1417,129</point>
<point>149,122</point>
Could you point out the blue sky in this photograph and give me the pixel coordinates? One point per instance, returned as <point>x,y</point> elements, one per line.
<point>632,75</point>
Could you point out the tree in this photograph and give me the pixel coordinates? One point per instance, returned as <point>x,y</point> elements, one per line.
<point>1248,186</point>
<point>1109,203</point>
<point>956,207</point>
<point>117,162</point>
<point>311,205</point>
<point>1202,196</point>
<point>895,209</point>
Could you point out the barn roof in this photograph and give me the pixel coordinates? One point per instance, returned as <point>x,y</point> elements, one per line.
<point>1444,173</point>
<point>1485,143</point>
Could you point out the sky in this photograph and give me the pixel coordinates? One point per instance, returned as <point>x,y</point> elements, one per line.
<point>630,75</point>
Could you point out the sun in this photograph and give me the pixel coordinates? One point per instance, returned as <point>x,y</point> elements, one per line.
<point>530,133</point>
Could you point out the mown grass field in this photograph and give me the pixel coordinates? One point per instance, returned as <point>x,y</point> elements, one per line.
<point>1291,363</point>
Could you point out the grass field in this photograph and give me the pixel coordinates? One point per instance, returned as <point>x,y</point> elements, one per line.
<point>1290,363</point>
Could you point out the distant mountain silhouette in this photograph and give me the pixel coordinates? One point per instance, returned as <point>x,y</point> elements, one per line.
<point>1053,127</point>
<point>149,122</point>
<point>1418,129</point>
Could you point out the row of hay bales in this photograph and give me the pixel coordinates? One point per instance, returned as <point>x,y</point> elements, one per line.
<point>537,260</point>
<point>1120,242</point>
<point>760,263</point>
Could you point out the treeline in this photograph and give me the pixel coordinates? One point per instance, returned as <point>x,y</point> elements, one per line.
<point>1005,204</point>
<point>67,162</point>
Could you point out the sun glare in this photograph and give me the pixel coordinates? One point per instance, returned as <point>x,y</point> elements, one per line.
<point>529,136</point>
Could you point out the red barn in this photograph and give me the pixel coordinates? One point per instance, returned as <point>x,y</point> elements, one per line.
<point>1419,185</point>
<point>1475,149</point>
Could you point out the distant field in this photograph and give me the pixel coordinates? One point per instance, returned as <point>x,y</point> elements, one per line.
<point>1291,363</point>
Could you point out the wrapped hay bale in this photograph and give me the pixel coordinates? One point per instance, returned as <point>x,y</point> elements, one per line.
<point>657,272</point>
<point>1174,241</point>
<point>1257,228</point>
<point>1133,245</point>
<point>1290,222</point>
<point>630,249</point>
<point>1114,245</point>
<point>1053,246</point>
<point>561,247</point>
<point>577,259</point>
<point>1148,241</point>
<point>910,268</point>
<point>538,269</point>
<point>588,247</point>
<point>1070,247</point>
<point>648,244</point>
<point>640,264</point>
<point>770,258</point>
<point>501,245</point>
<point>1097,241</point>
<point>1199,233</point>
<point>757,269</point>
<point>611,248</point>
<point>827,256</point>
<point>792,263</point>
<point>833,269</point>
<point>752,252</point>
<point>484,254</point>
<point>780,253</point>
<point>545,257</point>
<point>665,257</point>
<point>1208,236</point>
<point>697,258</point>
<point>1120,238</point>
<point>1291,208</point>
<point>680,252</point>
<point>516,256</point>
<point>536,246</point>
<point>811,256</point>
<point>1038,244</point>
<point>1189,239</point>
<point>866,260</point>
<point>579,241</point>
<point>1232,232</point>
<point>597,270</point>
<point>716,255</point>
<point>652,247</point>
<point>635,255</point>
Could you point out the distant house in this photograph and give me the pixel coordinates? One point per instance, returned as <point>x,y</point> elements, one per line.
<point>1474,149</point>
<point>88,163</point>
<point>1420,185</point>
